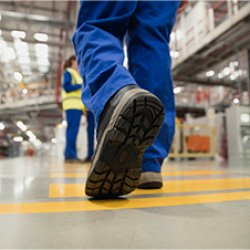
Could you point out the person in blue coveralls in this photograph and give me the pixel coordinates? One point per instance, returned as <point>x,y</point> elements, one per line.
<point>74,108</point>
<point>134,109</point>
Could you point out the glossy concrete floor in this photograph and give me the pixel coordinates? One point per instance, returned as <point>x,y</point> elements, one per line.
<point>202,205</point>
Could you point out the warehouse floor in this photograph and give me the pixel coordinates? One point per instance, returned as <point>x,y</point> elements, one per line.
<point>202,205</point>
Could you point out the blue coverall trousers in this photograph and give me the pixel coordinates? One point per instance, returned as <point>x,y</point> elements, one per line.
<point>98,43</point>
<point>73,117</point>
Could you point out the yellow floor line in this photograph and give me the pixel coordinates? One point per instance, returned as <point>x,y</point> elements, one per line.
<point>178,186</point>
<point>73,206</point>
<point>172,173</point>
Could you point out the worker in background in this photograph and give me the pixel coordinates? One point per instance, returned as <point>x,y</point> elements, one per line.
<point>134,109</point>
<point>74,108</point>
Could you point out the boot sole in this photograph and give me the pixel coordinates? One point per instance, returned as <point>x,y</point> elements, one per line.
<point>116,166</point>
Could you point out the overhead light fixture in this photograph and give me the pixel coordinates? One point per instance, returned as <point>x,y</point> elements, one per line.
<point>236,64</point>
<point>226,71</point>
<point>210,73</point>
<point>53,140</point>
<point>232,77</point>
<point>9,53</point>
<point>64,123</point>
<point>36,142</point>
<point>220,75</point>
<point>2,126</point>
<point>21,126</point>
<point>43,62</point>
<point>24,60</point>
<point>21,47</point>
<point>18,76</point>
<point>18,139</point>
<point>3,44</point>
<point>25,91</point>
<point>0,32</point>
<point>41,48</point>
<point>174,54</point>
<point>0,17</point>
<point>177,90</point>
<point>236,101</point>
<point>18,34</point>
<point>41,37</point>
<point>31,135</point>
<point>43,69</point>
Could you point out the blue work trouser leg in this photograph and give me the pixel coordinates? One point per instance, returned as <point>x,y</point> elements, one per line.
<point>90,132</point>
<point>150,64</point>
<point>73,117</point>
<point>99,50</point>
<point>98,43</point>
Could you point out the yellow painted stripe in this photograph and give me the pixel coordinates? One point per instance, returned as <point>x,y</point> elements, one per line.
<point>172,173</point>
<point>192,172</point>
<point>73,206</point>
<point>68,175</point>
<point>180,186</point>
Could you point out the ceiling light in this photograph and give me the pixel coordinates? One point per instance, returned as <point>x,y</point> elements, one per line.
<point>53,140</point>
<point>64,123</point>
<point>9,53</point>
<point>0,17</point>
<point>174,54</point>
<point>18,76</point>
<point>0,32</point>
<point>31,135</point>
<point>41,48</point>
<point>43,62</point>
<point>21,53</point>
<point>177,90</point>
<point>20,46</point>
<point>36,142</point>
<point>236,64</point>
<point>25,91</point>
<point>18,34</point>
<point>236,101</point>
<point>240,72</point>
<point>220,75</point>
<point>24,60</point>
<point>232,77</point>
<point>226,71</point>
<point>43,69</point>
<point>2,126</point>
<point>3,45</point>
<point>21,126</point>
<point>41,37</point>
<point>18,139</point>
<point>210,73</point>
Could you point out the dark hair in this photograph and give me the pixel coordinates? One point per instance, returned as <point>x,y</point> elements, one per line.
<point>68,62</point>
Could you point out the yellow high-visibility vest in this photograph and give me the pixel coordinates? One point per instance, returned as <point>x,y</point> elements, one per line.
<point>72,100</point>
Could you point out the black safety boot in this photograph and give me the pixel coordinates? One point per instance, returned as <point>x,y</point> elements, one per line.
<point>129,123</point>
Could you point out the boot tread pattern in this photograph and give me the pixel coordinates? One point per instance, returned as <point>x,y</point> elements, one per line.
<point>118,168</point>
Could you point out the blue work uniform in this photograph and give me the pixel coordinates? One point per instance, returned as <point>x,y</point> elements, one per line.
<point>73,117</point>
<point>98,43</point>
